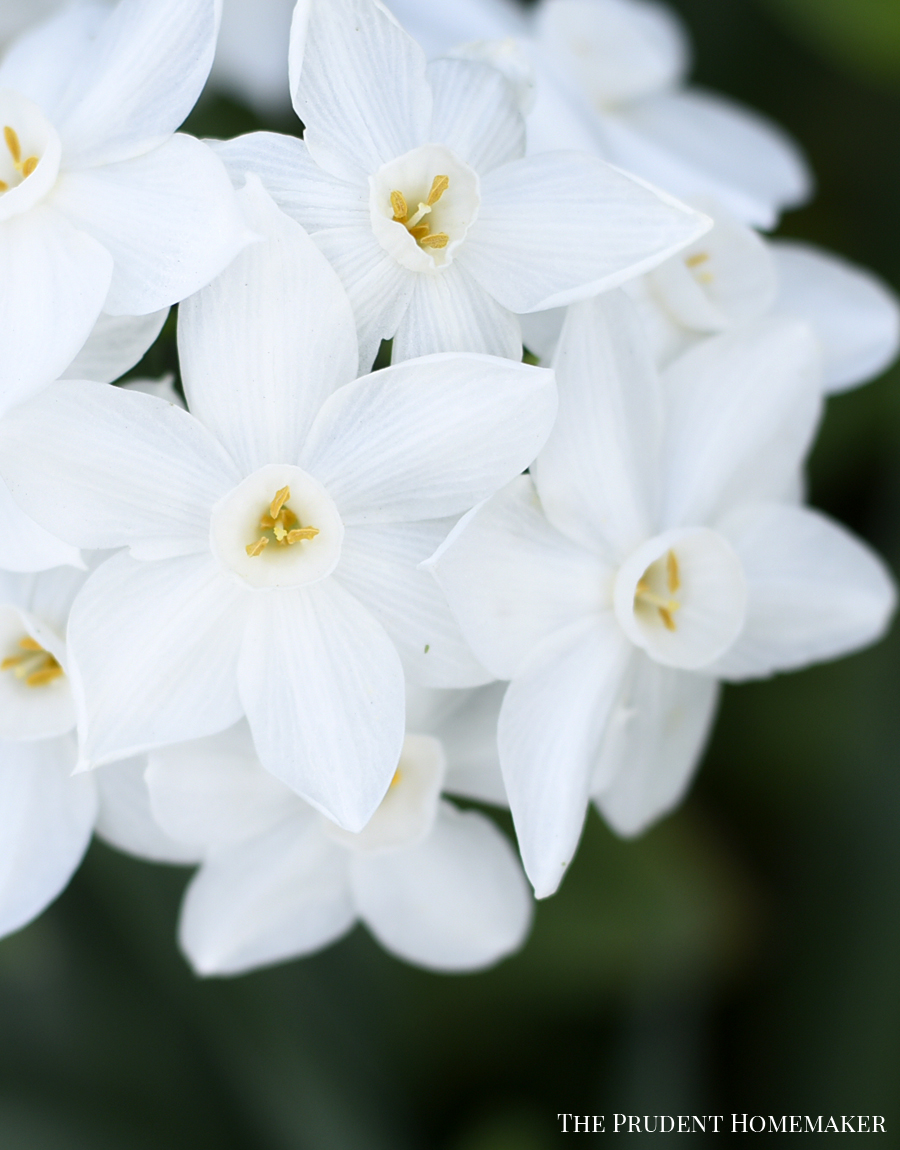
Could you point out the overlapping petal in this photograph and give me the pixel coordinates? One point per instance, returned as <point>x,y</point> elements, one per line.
<point>115,345</point>
<point>25,545</point>
<point>476,114</point>
<point>126,821</point>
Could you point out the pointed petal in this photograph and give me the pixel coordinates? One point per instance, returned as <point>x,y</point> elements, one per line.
<point>115,345</point>
<point>656,735</point>
<point>815,591</point>
<point>453,312</point>
<point>852,311</point>
<point>322,686</point>
<point>169,218</point>
<point>214,792</point>
<point>379,565</point>
<point>742,409</point>
<point>476,114</point>
<point>55,281</point>
<point>358,84</point>
<point>379,288</point>
<point>125,820</point>
<point>512,580</point>
<point>308,193</point>
<point>153,649</point>
<point>138,79</point>
<point>701,143</point>
<point>107,467</point>
<point>47,819</point>
<point>457,901</point>
<point>552,722</point>
<point>277,896</point>
<point>563,226</point>
<point>25,545</point>
<point>430,437</point>
<point>598,475</point>
<point>267,342</point>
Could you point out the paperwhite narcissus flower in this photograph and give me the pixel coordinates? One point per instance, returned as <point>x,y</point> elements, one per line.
<point>275,531</point>
<point>102,207</point>
<point>437,886</point>
<point>653,551</point>
<point>411,181</point>
<point>734,276</point>
<point>46,814</point>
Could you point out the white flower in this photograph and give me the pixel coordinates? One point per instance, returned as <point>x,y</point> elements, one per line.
<point>437,886</point>
<point>610,79</point>
<point>275,531</point>
<point>46,815</point>
<point>411,181</point>
<point>655,550</point>
<point>101,205</point>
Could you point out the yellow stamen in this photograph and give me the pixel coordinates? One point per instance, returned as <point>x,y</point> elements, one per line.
<point>258,547</point>
<point>697,259</point>
<point>438,240</point>
<point>4,186</point>
<point>28,167</point>
<point>398,203</point>
<point>302,533</point>
<point>419,232</point>
<point>35,665</point>
<point>666,615</point>
<point>29,644</point>
<point>10,661</point>
<point>439,185</point>
<point>47,675</point>
<point>12,142</point>
<point>673,575</point>
<point>398,775</point>
<point>281,497</point>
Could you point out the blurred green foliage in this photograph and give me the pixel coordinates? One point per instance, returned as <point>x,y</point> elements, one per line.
<point>741,956</point>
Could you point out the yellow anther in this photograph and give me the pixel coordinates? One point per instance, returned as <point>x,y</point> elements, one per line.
<point>258,547</point>
<point>29,644</point>
<point>398,775</point>
<point>419,232</point>
<point>666,615</point>
<point>439,185</point>
<point>28,167</point>
<point>12,142</point>
<point>4,186</point>
<point>697,259</point>
<point>673,576</point>
<point>46,675</point>
<point>438,240</point>
<point>302,533</point>
<point>10,661</point>
<point>34,665</point>
<point>398,203</point>
<point>281,497</point>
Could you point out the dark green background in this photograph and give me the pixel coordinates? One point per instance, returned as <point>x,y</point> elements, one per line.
<point>743,956</point>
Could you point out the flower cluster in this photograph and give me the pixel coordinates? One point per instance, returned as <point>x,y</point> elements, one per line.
<point>276,621</point>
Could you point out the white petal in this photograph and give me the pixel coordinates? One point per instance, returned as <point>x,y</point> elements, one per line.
<point>512,580</point>
<point>126,821</point>
<point>852,311</point>
<point>379,288</point>
<point>138,79</point>
<point>452,312</point>
<point>55,281</point>
<point>214,792</point>
<point>457,901</point>
<point>598,475</point>
<point>31,712</point>
<point>308,193</point>
<point>25,545</point>
<point>429,437</point>
<point>742,409</point>
<point>358,84</point>
<point>613,51</point>
<point>169,218</point>
<point>40,63</point>
<point>564,226</point>
<point>153,649</point>
<point>47,818</point>
<point>267,342</point>
<point>277,896</point>
<point>104,466</point>
<point>322,686</point>
<point>814,591</point>
<point>50,595</point>
<point>541,331</point>
<point>469,736</point>
<point>551,725</point>
<point>697,143</point>
<point>438,27</point>
<point>476,113</point>
<point>656,735</point>
<point>115,345</point>
<point>379,565</point>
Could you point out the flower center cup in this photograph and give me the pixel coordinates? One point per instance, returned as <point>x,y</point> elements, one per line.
<point>422,205</point>
<point>30,153</point>
<point>408,810</point>
<point>278,528</point>
<point>682,597</point>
